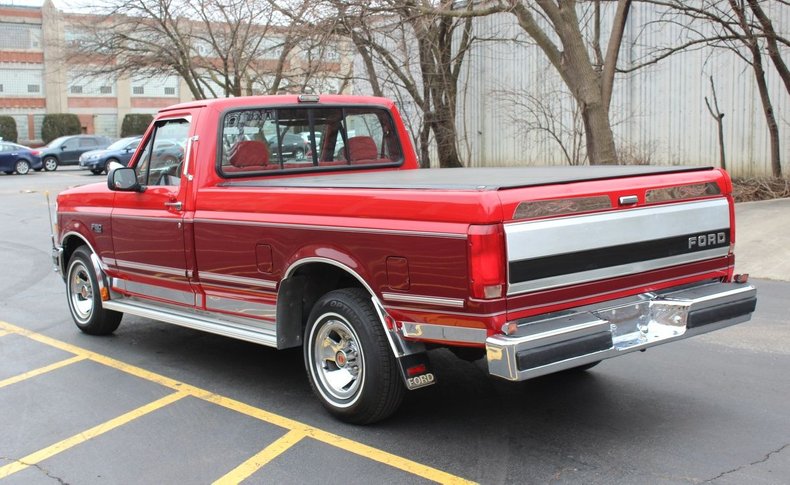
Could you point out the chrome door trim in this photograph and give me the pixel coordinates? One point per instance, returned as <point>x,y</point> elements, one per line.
<point>153,268</point>
<point>155,291</point>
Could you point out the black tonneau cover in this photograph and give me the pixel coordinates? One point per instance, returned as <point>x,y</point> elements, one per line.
<point>461,178</point>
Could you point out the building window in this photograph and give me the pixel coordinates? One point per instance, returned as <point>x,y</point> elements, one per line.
<point>105,89</point>
<point>170,91</point>
<point>1,88</point>
<point>138,90</point>
<point>33,88</point>
<point>76,90</point>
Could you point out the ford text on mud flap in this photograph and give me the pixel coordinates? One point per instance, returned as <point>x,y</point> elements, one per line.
<point>304,221</point>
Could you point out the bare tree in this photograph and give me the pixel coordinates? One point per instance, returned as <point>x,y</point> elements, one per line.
<point>733,25</point>
<point>719,117</point>
<point>556,27</point>
<point>547,114</point>
<point>218,47</point>
<point>411,51</point>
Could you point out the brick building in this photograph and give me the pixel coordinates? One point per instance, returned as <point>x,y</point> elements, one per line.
<point>35,79</point>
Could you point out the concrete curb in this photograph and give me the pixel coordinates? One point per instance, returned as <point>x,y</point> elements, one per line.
<point>762,239</point>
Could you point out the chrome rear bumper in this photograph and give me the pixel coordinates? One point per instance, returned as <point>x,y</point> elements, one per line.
<point>573,338</point>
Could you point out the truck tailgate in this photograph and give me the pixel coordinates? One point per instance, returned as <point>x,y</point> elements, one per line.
<point>604,239</point>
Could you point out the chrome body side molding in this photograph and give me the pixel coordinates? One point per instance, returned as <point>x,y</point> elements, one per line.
<point>424,300</point>
<point>254,331</point>
<point>445,333</point>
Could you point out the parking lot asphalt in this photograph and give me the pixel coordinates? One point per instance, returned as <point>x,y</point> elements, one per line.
<point>155,410</point>
<point>161,404</point>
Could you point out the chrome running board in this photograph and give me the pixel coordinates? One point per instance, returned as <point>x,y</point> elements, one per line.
<point>255,331</point>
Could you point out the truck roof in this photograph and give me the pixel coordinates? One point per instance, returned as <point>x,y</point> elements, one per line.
<point>280,99</point>
<point>462,178</point>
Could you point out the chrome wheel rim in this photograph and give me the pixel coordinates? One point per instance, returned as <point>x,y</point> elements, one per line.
<point>337,359</point>
<point>22,167</point>
<point>80,292</point>
<point>50,164</point>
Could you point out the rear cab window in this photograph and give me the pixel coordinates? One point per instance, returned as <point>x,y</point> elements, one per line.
<point>296,139</point>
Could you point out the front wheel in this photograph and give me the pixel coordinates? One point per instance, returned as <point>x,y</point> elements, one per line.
<point>50,164</point>
<point>348,359</point>
<point>82,289</point>
<point>22,167</point>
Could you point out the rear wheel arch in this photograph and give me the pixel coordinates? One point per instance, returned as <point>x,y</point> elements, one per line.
<point>304,283</point>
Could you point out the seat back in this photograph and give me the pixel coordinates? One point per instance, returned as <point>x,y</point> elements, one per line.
<point>362,148</point>
<point>249,153</point>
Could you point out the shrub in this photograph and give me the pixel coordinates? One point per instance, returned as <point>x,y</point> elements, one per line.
<point>135,124</point>
<point>8,129</point>
<point>60,124</point>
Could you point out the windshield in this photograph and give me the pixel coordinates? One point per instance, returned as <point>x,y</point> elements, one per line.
<point>57,142</point>
<point>120,144</point>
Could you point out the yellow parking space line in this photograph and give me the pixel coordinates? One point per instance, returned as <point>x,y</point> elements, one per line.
<point>243,471</point>
<point>337,441</point>
<point>332,439</point>
<point>4,332</point>
<point>41,370</point>
<point>79,438</point>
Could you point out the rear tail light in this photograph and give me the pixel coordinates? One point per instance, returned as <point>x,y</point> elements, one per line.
<point>487,273</point>
<point>35,153</point>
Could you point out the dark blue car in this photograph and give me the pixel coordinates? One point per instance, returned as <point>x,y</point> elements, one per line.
<point>18,158</point>
<point>121,151</point>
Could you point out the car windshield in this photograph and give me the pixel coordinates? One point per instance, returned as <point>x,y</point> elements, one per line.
<point>57,142</point>
<point>120,144</point>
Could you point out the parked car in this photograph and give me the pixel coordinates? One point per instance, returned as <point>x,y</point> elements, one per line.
<point>18,158</point>
<point>293,146</point>
<point>66,150</point>
<point>121,151</point>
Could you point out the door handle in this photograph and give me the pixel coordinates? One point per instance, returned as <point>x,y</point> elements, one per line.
<point>175,205</point>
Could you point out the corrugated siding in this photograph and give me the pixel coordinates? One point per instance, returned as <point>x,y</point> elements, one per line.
<point>658,113</point>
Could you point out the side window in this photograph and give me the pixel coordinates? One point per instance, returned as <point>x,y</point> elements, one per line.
<point>87,142</point>
<point>163,154</point>
<point>70,144</point>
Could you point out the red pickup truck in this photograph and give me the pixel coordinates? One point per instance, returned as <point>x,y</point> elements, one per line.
<point>299,221</point>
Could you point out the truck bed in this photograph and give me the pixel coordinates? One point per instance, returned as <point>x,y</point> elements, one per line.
<point>462,178</point>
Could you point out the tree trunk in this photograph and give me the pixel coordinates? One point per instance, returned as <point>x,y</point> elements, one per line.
<point>768,110</point>
<point>770,38</point>
<point>446,137</point>
<point>598,135</point>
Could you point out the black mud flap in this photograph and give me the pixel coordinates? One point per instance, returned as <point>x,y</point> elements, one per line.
<point>415,369</point>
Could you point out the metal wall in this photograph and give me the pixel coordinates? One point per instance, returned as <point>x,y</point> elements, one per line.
<point>659,113</point>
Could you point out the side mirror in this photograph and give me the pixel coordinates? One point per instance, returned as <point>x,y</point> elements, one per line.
<point>63,147</point>
<point>123,179</point>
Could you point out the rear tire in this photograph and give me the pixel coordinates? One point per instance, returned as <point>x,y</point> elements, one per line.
<point>22,167</point>
<point>50,164</point>
<point>348,358</point>
<point>82,291</point>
